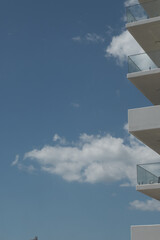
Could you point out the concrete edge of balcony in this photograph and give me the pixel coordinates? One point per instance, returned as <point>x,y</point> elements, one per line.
<point>148,225</point>
<point>143,21</point>
<point>151,190</point>
<point>143,73</point>
<point>144,124</point>
<point>148,186</point>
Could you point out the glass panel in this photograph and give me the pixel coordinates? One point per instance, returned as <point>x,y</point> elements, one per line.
<point>148,173</point>
<point>132,67</point>
<point>135,13</point>
<point>141,11</point>
<point>144,61</point>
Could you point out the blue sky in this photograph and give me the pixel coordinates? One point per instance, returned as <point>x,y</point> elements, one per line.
<point>68,164</point>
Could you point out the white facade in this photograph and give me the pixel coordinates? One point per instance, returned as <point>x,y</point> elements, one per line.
<point>143,22</point>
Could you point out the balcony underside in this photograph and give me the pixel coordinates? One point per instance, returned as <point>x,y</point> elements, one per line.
<point>146,32</point>
<point>149,137</point>
<point>144,124</point>
<point>148,82</point>
<point>151,190</point>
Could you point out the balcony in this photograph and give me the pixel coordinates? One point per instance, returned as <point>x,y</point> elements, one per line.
<point>144,61</point>
<point>144,124</point>
<point>146,232</point>
<point>143,22</point>
<point>148,179</point>
<point>144,73</point>
<point>148,173</point>
<point>144,10</point>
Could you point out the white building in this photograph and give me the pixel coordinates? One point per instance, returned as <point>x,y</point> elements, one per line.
<point>143,22</point>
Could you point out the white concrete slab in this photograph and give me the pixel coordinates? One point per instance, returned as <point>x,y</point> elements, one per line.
<point>144,124</point>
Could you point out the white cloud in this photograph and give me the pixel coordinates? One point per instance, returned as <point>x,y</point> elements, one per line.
<point>125,185</point>
<point>126,127</point>
<point>89,38</point>
<point>26,168</point>
<point>93,37</point>
<point>75,105</point>
<point>29,169</point>
<point>124,45</point>
<point>77,39</point>
<point>149,205</point>
<point>121,46</point>
<point>15,162</point>
<point>130,2</point>
<point>93,158</point>
<point>60,140</point>
<point>109,30</point>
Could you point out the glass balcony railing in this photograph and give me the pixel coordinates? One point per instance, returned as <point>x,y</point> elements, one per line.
<point>144,10</point>
<point>144,61</point>
<point>148,173</point>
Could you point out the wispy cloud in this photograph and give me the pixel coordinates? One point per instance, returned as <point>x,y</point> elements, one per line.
<point>92,159</point>
<point>93,37</point>
<point>29,169</point>
<point>110,30</point>
<point>60,140</point>
<point>149,205</point>
<point>19,164</point>
<point>77,39</point>
<point>16,160</point>
<point>89,38</point>
<point>75,105</point>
